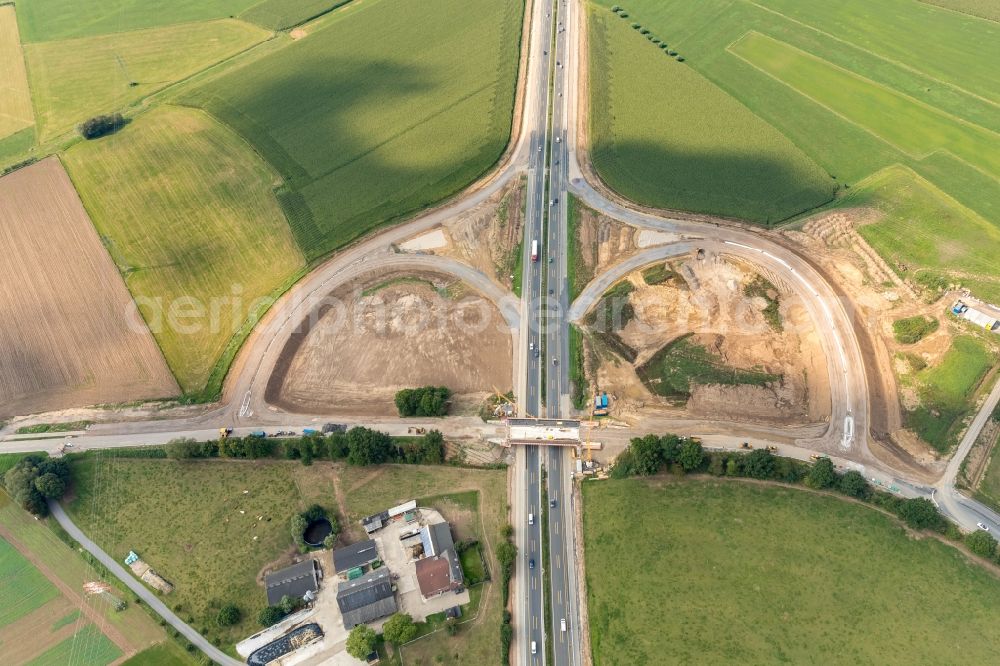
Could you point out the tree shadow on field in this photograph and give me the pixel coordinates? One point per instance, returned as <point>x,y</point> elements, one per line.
<point>329,129</point>
<point>756,188</point>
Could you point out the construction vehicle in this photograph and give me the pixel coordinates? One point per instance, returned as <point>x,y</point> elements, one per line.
<point>772,449</point>
<point>260,434</point>
<point>746,445</point>
<point>958,308</point>
<point>225,432</point>
<point>601,405</point>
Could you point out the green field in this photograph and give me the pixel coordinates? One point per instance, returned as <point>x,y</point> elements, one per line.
<point>87,646</point>
<point>24,586</point>
<point>674,370</point>
<point>280,14</point>
<point>987,9</point>
<point>665,136</point>
<point>861,87</point>
<point>75,79</point>
<point>384,110</point>
<point>134,622</point>
<point>988,490</point>
<point>925,233</point>
<point>197,220</point>
<point>164,654</point>
<point>946,390</point>
<point>194,525</point>
<point>16,113</point>
<point>714,572</point>
<point>186,520</point>
<point>46,20</point>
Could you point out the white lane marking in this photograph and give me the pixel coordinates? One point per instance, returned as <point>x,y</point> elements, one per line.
<point>245,406</point>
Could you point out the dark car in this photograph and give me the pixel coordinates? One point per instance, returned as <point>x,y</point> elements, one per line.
<point>531,563</point>
<point>552,503</point>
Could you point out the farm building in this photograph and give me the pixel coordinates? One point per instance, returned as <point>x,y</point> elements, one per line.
<point>354,556</point>
<point>367,598</point>
<point>439,574</point>
<point>440,569</point>
<point>294,581</point>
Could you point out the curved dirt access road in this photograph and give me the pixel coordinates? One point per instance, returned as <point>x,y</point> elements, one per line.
<point>390,331</point>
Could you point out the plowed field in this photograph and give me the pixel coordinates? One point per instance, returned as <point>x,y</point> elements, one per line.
<point>68,333</point>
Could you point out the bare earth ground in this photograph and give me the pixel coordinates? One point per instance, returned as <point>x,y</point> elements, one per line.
<point>486,237</point>
<point>394,331</point>
<point>878,298</point>
<point>68,332</point>
<point>709,302</point>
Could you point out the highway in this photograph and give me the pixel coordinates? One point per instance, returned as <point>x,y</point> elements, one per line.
<point>546,149</point>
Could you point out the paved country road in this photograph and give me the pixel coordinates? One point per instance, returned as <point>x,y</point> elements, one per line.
<point>150,599</point>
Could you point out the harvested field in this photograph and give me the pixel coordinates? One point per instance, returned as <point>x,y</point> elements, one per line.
<point>75,79</point>
<point>197,225</point>
<point>15,98</point>
<point>69,334</point>
<point>705,297</point>
<point>391,332</point>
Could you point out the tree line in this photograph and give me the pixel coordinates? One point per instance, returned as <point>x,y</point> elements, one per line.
<point>358,446</point>
<point>34,480</point>
<point>651,454</point>
<point>423,401</point>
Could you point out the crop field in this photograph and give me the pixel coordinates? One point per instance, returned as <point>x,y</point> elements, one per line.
<point>693,577</point>
<point>281,14</point>
<point>15,98</point>
<point>665,136</point>
<point>48,20</point>
<point>380,113</point>
<point>945,391</point>
<point>198,225</point>
<point>75,79</point>
<point>58,623</point>
<point>986,9</point>
<point>68,332</point>
<point>857,86</point>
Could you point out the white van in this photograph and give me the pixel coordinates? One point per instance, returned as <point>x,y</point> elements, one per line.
<point>534,647</point>
<point>564,624</point>
<point>531,519</point>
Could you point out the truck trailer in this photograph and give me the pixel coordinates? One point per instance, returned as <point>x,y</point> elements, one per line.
<point>534,250</point>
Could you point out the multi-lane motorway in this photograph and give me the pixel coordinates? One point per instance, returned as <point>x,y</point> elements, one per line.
<point>547,149</point>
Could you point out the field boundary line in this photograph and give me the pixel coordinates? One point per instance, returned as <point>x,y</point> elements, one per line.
<point>932,5</point>
<point>917,157</point>
<point>75,599</point>
<point>891,61</point>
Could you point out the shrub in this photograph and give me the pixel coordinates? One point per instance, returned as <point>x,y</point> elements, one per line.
<point>920,513</point>
<point>269,616</point>
<point>913,329</point>
<point>822,474</point>
<point>759,464</point>
<point>228,615</point>
<point>853,484</point>
<point>982,544</point>
<point>636,26</point>
<point>99,126</point>
<point>361,641</point>
<point>423,401</point>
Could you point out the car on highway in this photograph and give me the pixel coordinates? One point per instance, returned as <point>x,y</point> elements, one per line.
<point>563,624</point>
<point>552,503</point>
<point>531,563</point>
<point>531,519</point>
<point>555,361</point>
<point>531,345</point>
<point>534,647</point>
<point>983,526</point>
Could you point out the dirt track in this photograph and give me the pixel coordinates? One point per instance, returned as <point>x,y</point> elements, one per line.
<point>390,332</point>
<point>68,334</point>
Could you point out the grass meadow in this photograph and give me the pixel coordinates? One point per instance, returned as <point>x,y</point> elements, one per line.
<point>859,87</point>
<point>281,14</point>
<point>16,113</point>
<point>75,79</point>
<point>385,110</point>
<point>986,9</point>
<point>665,136</point>
<point>87,646</point>
<point>194,216</point>
<point>701,571</point>
<point>946,391</point>
<point>193,523</point>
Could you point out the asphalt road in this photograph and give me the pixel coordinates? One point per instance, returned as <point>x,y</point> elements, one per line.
<point>216,655</point>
